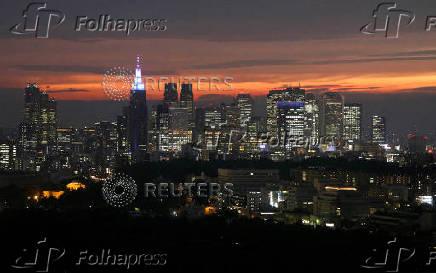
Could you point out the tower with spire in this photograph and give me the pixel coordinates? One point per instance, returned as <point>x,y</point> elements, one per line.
<point>138,116</point>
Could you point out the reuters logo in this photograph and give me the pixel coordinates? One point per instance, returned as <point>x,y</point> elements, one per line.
<point>120,190</point>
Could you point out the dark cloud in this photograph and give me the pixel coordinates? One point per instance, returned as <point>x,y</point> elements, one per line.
<point>244,63</point>
<point>86,69</point>
<point>70,90</point>
<point>355,88</point>
<point>424,89</point>
<point>63,68</point>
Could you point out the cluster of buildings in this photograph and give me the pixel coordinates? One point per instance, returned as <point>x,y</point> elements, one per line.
<point>297,124</point>
<point>334,198</point>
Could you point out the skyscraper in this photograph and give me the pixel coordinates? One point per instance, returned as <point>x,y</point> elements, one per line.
<point>352,121</point>
<point>138,117</point>
<point>170,95</point>
<point>37,132</point>
<point>378,129</point>
<point>271,113</point>
<point>187,101</point>
<point>332,116</point>
<point>160,128</point>
<point>311,106</point>
<point>291,118</point>
<point>244,104</point>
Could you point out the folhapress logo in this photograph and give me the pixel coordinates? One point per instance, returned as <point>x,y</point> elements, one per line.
<point>38,259</point>
<point>387,18</point>
<point>38,20</point>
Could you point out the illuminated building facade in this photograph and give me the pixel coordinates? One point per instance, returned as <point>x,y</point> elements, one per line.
<point>138,117</point>
<point>352,121</point>
<point>332,116</point>
<point>38,131</point>
<point>312,109</point>
<point>244,104</point>
<point>378,129</point>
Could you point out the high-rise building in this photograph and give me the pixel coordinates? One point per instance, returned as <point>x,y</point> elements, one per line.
<point>311,106</point>
<point>160,117</point>
<point>37,133</point>
<point>138,117</point>
<point>271,113</point>
<point>244,104</point>
<point>107,144</point>
<point>187,102</point>
<point>378,129</point>
<point>352,121</point>
<point>332,116</point>
<point>291,119</point>
<point>212,128</point>
<point>123,134</point>
<point>8,154</point>
<point>171,96</point>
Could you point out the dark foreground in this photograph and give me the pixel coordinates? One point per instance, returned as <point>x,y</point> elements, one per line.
<point>211,244</point>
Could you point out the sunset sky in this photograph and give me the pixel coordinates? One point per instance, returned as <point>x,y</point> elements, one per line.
<point>262,45</point>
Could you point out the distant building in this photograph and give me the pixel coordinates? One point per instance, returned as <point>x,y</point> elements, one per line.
<point>171,96</point>
<point>352,121</point>
<point>244,104</point>
<point>138,117</point>
<point>187,102</point>
<point>417,144</point>
<point>312,109</point>
<point>332,115</point>
<point>291,119</point>
<point>378,129</point>
<point>244,180</point>
<point>37,133</point>
<point>340,203</point>
<point>8,155</point>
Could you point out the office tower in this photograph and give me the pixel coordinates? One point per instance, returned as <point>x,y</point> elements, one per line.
<point>291,118</point>
<point>212,119</point>
<point>212,128</point>
<point>271,113</point>
<point>352,121</point>
<point>39,118</point>
<point>170,95</point>
<point>160,128</point>
<point>37,133</point>
<point>244,104</point>
<point>187,101</point>
<point>123,134</point>
<point>107,144</point>
<point>65,140</point>
<point>8,154</point>
<point>230,131</point>
<point>378,129</point>
<point>199,125</point>
<point>332,116</point>
<point>252,141</point>
<point>311,106</point>
<point>138,117</point>
<point>180,129</point>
